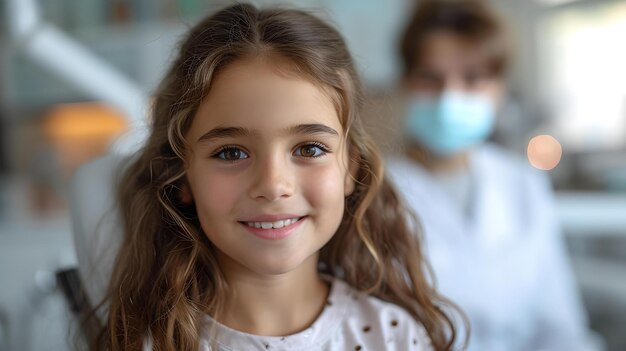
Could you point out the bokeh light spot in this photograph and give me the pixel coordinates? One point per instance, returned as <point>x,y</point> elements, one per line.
<point>544,152</point>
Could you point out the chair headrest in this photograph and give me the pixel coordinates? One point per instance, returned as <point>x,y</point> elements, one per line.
<point>97,226</point>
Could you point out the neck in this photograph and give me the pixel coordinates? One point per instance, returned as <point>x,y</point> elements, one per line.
<point>274,305</point>
<point>438,164</point>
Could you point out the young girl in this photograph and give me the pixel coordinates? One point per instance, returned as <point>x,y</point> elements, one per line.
<point>257,216</point>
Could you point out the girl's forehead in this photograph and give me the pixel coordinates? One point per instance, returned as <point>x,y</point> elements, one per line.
<point>256,94</point>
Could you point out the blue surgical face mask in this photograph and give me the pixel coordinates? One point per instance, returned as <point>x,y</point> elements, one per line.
<point>451,123</point>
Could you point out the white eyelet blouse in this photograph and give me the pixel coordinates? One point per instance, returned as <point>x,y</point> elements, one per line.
<point>350,320</point>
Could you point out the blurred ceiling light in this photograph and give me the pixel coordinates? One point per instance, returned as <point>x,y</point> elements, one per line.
<point>83,121</point>
<point>544,152</point>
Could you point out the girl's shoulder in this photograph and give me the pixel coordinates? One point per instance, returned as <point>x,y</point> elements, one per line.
<point>375,324</point>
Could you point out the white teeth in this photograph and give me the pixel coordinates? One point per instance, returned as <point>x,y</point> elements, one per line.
<point>275,225</point>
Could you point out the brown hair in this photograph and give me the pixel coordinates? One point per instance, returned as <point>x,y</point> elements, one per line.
<point>471,20</point>
<point>166,276</point>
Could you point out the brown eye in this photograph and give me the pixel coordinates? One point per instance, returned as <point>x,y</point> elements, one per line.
<point>309,150</point>
<point>231,154</point>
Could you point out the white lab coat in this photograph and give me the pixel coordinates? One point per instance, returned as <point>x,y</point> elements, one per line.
<point>503,262</point>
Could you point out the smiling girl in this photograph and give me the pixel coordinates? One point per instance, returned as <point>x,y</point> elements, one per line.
<point>257,215</point>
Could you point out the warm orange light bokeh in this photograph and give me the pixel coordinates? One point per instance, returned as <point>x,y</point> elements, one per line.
<point>544,152</point>
<point>83,121</point>
<point>81,131</point>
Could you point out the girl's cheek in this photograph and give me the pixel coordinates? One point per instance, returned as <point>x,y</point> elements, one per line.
<point>218,192</point>
<point>324,184</point>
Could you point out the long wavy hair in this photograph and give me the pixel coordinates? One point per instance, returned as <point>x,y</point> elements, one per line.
<point>166,276</point>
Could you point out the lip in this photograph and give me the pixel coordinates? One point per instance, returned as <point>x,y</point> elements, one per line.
<point>273,233</point>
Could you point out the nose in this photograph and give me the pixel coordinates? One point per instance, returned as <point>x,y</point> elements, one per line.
<point>273,179</point>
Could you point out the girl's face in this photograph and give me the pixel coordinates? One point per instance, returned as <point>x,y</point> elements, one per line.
<point>267,169</point>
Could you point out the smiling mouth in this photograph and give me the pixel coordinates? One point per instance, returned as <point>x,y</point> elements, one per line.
<point>273,225</point>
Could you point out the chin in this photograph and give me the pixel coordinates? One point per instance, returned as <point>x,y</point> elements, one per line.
<point>276,265</point>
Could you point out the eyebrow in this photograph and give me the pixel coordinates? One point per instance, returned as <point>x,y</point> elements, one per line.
<point>231,132</point>
<point>228,132</point>
<point>312,129</point>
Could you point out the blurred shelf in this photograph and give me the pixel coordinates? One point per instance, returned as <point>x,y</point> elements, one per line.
<point>592,213</point>
<point>601,277</point>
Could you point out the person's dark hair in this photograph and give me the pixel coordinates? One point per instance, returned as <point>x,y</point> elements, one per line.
<point>471,20</point>
<point>166,276</point>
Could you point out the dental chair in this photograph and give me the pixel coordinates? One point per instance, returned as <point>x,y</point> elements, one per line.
<point>97,233</point>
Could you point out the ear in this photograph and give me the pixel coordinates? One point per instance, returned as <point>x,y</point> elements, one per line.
<point>185,193</point>
<point>354,160</point>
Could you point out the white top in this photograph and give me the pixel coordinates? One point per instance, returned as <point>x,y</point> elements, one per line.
<point>503,260</point>
<point>351,320</point>
<point>459,187</point>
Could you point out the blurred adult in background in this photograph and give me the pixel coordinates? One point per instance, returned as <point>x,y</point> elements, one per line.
<point>488,218</point>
